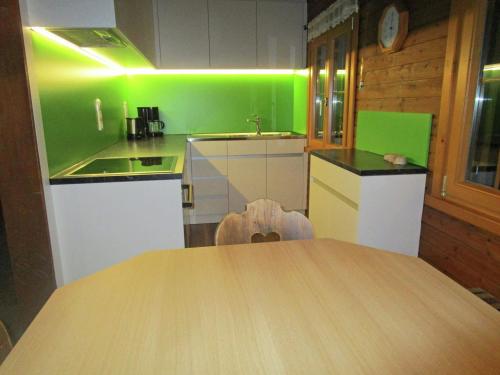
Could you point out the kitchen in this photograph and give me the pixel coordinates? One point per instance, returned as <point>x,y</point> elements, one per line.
<point>224,100</point>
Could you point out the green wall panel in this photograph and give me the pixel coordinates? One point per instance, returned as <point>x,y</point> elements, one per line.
<point>215,103</point>
<point>300,96</point>
<point>68,84</point>
<point>407,134</point>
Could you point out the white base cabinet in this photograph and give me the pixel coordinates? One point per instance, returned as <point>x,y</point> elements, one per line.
<point>226,175</point>
<point>383,211</point>
<point>101,224</point>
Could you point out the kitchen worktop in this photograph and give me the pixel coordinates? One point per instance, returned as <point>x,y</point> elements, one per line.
<point>364,163</point>
<point>168,145</point>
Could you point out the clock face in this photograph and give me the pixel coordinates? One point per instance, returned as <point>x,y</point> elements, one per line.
<point>390,27</point>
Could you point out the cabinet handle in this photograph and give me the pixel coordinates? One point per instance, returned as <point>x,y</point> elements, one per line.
<point>187,196</point>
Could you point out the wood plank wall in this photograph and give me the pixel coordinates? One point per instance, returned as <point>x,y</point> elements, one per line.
<point>410,81</point>
<point>21,190</point>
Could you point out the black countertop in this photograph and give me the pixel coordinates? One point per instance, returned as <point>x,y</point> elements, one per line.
<point>168,145</point>
<point>364,163</point>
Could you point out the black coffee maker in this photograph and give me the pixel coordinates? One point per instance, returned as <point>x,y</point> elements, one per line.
<point>153,126</point>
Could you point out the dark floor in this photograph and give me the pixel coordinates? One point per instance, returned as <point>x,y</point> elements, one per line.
<point>197,235</point>
<point>9,309</point>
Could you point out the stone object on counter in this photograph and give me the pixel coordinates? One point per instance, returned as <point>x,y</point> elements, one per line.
<point>395,159</point>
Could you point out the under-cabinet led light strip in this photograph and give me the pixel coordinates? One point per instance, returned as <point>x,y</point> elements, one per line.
<point>151,71</point>
<point>491,67</point>
<point>84,51</point>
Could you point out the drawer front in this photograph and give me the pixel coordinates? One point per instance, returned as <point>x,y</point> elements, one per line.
<point>285,146</point>
<point>210,206</point>
<point>256,147</point>
<point>210,187</point>
<point>213,167</point>
<point>331,214</point>
<point>342,181</point>
<point>208,148</point>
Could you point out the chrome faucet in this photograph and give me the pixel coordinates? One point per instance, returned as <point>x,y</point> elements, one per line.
<point>257,120</point>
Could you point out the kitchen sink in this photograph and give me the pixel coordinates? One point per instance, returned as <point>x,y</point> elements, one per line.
<point>243,136</point>
<point>127,166</point>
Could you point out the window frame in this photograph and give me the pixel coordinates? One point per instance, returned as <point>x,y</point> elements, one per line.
<point>349,26</point>
<point>476,204</point>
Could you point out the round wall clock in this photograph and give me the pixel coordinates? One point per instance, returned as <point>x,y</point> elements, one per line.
<point>393,27</point>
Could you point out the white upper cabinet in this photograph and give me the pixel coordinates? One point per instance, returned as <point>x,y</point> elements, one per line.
<point>281,37</point>
<point>183,34</point>
<point>71,13</point>
<point>233,33</point>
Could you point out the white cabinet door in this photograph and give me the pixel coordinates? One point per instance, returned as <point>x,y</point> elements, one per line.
<point>183,34</point>
<point>233,33</point>
<point>71,13</point>
<point>101,224</point>
<point>285,181</point>
<point>209,171</point>
<point>281,38</point>
<point>247,181</point>
<point>332,215</point>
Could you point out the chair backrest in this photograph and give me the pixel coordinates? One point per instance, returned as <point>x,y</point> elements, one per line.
<point>263,221</point>
<point>5,343</point>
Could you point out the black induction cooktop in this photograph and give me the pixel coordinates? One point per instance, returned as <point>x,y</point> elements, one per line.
<point>128,166</point>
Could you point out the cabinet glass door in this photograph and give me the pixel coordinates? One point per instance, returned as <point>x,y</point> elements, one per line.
<point>337,102</point>
<point>332,62</point>
<point>320,76</point>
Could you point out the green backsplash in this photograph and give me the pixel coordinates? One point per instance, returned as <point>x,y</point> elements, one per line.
<point>300,96</point>
<point>68,85</point>
<point>215,103</point>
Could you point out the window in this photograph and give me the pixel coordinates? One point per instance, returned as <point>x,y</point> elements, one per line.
<point>332,61</point>
<point>466,172</point>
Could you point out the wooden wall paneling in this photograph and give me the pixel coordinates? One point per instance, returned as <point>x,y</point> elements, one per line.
<point>469,255</point>
<point>21,190</point>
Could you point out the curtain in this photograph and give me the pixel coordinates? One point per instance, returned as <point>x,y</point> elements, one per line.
<point>335,14</point>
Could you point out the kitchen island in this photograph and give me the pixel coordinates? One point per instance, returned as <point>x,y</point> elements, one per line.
<point>105,218</point>
<point>359,197</point>
<point>291,307</point>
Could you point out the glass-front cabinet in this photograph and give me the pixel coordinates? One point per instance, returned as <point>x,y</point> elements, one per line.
<point>332,62</point>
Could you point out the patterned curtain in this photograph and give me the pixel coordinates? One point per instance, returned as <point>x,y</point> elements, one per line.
<point>335,14</point>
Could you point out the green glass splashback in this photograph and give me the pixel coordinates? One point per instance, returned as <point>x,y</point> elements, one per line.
<point>68,84</point>
<point>215,103</point>
<point>407,134</point>
<point>300,97</point>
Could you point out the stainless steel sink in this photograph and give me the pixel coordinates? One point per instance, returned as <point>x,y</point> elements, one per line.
<point>243,136</point>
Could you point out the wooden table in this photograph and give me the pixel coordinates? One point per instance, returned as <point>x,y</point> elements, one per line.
<point>303,307</point>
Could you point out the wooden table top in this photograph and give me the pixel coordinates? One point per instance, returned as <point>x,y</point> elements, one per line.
<point>297,307</point>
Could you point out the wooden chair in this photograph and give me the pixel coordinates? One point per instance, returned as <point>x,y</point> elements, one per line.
<point>5,343</point>
<point>263,221</point>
